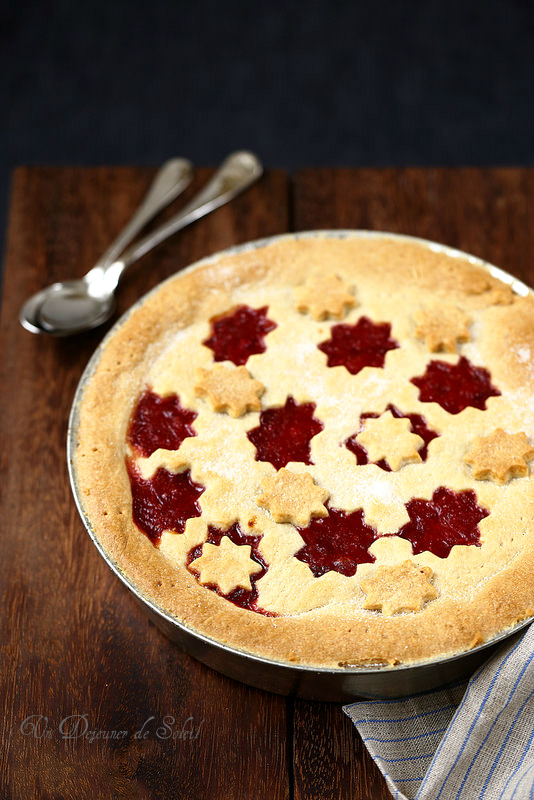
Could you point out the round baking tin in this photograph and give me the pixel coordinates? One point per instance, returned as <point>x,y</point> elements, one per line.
<point>316,683</point>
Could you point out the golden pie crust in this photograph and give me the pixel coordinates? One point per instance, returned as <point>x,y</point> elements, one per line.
<point>438,606</point>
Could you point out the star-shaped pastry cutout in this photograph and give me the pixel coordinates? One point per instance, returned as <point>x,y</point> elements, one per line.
<point>239,333</point>
<point>285,432</point>
<point>499,295</point>
<point>442,327</point>
<point>390,438</point>
<point>324,296</point>
<point>293,497</point>
<point>455,386</point>
<point>226,565</point>
<point>500,456</point>
<point>230,389</point>
<point>403,587</point>
<point>477,285</point>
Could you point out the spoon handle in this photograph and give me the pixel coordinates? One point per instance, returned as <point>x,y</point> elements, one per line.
<point>235,174</point>
<point>173,177</point>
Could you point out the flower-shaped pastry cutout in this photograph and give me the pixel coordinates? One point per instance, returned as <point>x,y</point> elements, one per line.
<point>418,425</point>
<point>442,327</point>
<point>285,432</point>
<point>230,389</point>
<point>499,295</point>
<point>324,296</point>
<point>163,502</point>
<point>390,438</point>
<point>447,519</point>
<point>363,344</point>
<point>481,290</point>
<point>338,542</point>
<point>500,456</point>
<point>403,587</point>
<point>227,565</point>
<point>293,497</point>
<point>159,422</point>
<point>239,333</point>
<point>455,386</point>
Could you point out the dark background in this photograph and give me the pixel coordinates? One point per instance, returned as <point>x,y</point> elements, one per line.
<point>301,84</point>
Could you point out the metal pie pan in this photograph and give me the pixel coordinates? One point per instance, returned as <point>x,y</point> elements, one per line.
<point>341,684</point>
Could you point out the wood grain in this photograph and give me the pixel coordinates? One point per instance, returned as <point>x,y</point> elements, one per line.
<point>74,642</point>
<point>72,639</point>
<point>487,212</point>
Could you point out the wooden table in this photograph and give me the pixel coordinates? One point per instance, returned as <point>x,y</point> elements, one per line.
<point>74,644</point>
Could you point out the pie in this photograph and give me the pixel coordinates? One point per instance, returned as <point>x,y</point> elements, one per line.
<point>319,449</point>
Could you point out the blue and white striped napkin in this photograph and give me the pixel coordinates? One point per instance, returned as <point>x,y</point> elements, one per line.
<point>471,741</point>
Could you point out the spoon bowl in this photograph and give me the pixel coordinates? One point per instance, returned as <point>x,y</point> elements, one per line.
<point>65,308</point>
<point>70,306</point>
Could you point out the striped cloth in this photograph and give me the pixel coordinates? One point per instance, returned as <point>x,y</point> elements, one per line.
<point>472,740</point>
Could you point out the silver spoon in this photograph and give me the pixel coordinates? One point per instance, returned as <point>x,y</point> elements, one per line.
<point>73,306</point>
<point>173,177</point>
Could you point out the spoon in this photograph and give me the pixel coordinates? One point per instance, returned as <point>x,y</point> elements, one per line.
<point>69,307</point>
<point>173,177</point>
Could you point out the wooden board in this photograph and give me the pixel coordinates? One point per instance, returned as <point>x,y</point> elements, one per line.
<point>78,656</point>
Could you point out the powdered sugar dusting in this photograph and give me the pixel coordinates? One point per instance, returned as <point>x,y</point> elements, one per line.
<point>380,491</point>
<point>523,353</point>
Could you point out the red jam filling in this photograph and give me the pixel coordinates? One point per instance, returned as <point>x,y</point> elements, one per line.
<point>284,433</point>
<point>447,519</point>
<point>418,426</point>
<point>455,386</point>
<point>244,598</point>
<point>239,334</point>
<point>364,344</point>
<point>337,542</point>
<point>163,502</point>
<point>159,422</point>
